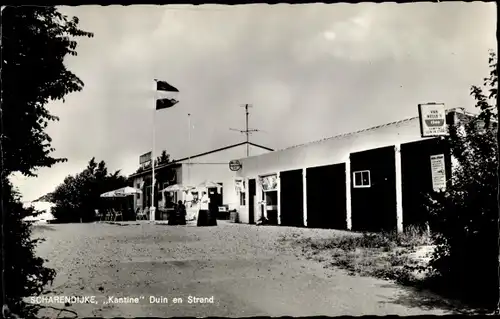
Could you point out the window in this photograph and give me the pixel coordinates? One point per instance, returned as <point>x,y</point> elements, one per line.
<point>138,186</point>
<point>361,179</point>
<point>242,199</point>
<point>240,190</point>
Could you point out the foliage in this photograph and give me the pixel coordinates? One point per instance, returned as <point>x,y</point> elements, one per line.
<point>35,41</point>
<point>465,216</point>
<point>78,196</point>
<point>25,273</point>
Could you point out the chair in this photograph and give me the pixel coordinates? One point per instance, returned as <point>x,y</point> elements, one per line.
<point>117,213</point>
<point>99,214</point>
<point>109,215</point>
<point>140,214</point>
<point>145,211</point>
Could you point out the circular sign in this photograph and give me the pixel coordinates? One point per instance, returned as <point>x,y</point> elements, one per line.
<point>235,165</point>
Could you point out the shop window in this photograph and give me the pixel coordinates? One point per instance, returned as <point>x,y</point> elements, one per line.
<point>361,179</point>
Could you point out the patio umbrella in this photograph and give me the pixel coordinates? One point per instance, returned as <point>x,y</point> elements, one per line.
<point>122,192</point>
<point>177,188</point>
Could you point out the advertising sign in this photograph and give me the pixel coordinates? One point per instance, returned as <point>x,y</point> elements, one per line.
<point>235,165</point>
<point>239,186</point>
<point>269,183</point>
<point>145,158</point>
<point>438,172</point>
<point>432,119</point>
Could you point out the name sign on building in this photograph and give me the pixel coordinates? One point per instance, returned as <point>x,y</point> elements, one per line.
<point>432,119</point>
<point>438,172</point>
<point>145,158</point>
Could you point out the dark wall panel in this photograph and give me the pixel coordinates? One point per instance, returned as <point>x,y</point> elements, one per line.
<point>374,207</point>
<point>292,198</point>
<point>326,196</point>
<point>417,177</point>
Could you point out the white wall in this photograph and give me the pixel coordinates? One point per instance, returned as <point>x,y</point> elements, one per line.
<point>330,151</point>
<point>214,167</point>
<point>327,151</point>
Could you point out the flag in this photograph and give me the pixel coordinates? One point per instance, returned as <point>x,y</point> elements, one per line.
<point>165,95</point>
<point>164,86</point>
<point>165,103</point>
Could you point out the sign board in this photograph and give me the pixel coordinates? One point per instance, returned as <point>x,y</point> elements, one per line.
<point>269,183</point>
<point>438,172</point>
<point>145,158</point>
<point>235,165</point>
<point>239,185</point>
<point>432,119</point>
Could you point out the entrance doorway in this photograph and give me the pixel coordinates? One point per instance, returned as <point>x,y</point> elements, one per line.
<point>271,198</point>
<point>251,201</point>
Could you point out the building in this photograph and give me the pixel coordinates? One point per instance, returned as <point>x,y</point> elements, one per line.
<point>212,166</point>
<point>371,180</point>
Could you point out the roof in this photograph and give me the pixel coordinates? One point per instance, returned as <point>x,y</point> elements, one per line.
<point>369,129</point>
<point>176,162</point>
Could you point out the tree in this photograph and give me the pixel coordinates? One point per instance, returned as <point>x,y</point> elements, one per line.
<point>465,216</point>
<point>164,158</point>
<point>78,196</point>
<point>35,41</point>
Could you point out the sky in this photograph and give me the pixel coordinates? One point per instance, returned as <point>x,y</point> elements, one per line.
<point>310,71</point>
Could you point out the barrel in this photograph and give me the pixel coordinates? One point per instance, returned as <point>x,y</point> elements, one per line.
<point>234,217</point>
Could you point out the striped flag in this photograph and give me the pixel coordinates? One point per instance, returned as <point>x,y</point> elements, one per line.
<point>165,95</point>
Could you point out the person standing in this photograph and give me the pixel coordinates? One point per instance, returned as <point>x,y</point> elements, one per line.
<point>203,212</point>
<point>181,213</point>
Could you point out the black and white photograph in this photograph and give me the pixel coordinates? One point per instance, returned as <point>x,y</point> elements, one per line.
<point>215,160</point>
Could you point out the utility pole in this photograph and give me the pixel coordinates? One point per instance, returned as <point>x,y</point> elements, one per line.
<point>247,131</point>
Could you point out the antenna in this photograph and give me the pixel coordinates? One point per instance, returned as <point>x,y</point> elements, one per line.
<point>247,131</point>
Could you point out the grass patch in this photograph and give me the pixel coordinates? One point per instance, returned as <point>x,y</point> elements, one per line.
<point>387,255</point>
<point>401,258</point>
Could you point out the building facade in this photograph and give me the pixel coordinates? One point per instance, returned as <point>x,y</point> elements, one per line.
<point>211,166</point>
<point>370,180</point>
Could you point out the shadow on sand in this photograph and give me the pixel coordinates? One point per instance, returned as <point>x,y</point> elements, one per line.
<point>426,300</point>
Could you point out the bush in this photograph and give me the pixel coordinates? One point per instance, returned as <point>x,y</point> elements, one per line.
<point>25,274</point>
<point>464,218</point>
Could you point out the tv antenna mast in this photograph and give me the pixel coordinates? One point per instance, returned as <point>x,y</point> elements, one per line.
<point>247,131</point>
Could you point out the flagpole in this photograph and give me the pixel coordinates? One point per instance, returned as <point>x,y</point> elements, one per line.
<point>152,210</point>
<point>189,148</point>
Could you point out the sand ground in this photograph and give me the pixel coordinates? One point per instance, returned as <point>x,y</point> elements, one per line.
<point>247,269</point>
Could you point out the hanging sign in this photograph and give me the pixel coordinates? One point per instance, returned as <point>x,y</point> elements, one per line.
<point>432,119</point>
<point>438,172</point>
<point>235,165</point>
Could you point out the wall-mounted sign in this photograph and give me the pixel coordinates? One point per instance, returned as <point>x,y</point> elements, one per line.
<point>235,165</point>
<point>239,185</point>
<point>438,172</point>
<point>269,183</point>
<point>145,158</point>
<point>432,119</point>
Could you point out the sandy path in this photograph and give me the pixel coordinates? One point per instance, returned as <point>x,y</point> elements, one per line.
<point>247,270</point>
